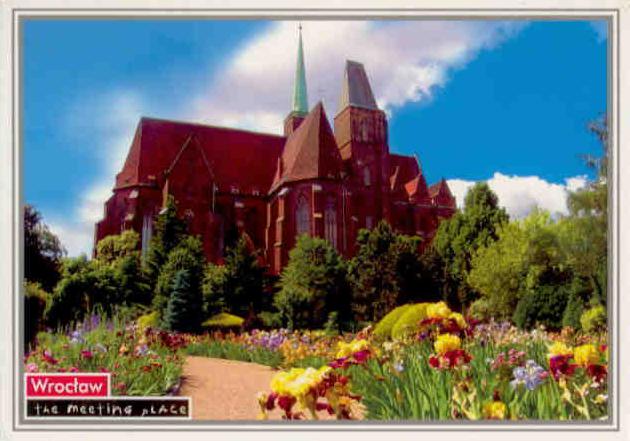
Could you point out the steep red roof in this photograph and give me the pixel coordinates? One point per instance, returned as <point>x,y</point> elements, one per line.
<point>310,152</point>
<point>246,160</point>
<point>417,187</point>
<point>434,189</point>
<point>402,170</point>
<point>441,193</point>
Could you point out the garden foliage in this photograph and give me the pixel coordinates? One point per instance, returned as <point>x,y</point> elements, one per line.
<point>312,285</point>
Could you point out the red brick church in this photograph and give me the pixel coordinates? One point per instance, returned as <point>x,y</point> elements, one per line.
<point>312,180</point>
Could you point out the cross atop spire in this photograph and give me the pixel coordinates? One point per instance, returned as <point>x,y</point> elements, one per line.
<point>300,99</point>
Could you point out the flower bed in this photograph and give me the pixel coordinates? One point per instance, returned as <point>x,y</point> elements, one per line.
<point>450,368</point>
<point>446,368</point>
<point>142,361</point>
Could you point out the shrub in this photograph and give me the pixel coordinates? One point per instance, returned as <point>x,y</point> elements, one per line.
<point>213,288</point>
<point>114,247</point>
<point>270,319</point>
<point>593,319</point>
<point>149,320</point>
<point>480,309</point>
<point>573,312</point>
<point>544,306</point>
<point>383,329</point>
<point>73,294</point>
<point>35,299</point>
<point>408,321</point>
<point>224,320</point>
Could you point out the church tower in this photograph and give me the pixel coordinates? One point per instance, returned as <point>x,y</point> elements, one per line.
<point>299,108</point>
<point>361,134</point>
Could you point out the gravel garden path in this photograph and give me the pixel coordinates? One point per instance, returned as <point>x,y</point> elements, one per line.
<point>226,389</point>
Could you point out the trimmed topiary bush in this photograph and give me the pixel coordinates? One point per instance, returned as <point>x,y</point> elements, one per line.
<point>593,319</point>
<point>408,321</point>
<point>224,320</point>
<point>383,329</point>
<point>149,320</point>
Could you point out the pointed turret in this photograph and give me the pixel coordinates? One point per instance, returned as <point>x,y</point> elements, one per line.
<point>310,152</point>
<point>356,90</point>
<point>300,98</point>
<point>441,194</point>
<point>299,107</point>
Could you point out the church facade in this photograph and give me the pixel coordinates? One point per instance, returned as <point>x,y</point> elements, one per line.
<point>312,180</point>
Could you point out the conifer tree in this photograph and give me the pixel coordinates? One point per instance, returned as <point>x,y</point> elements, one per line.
<point>313,286</point>
<point>188,255</point>
<point>385,272</point>
<point>183,312</point>
<point>169,231</point>
<point>244,279</point>
<point>459,237</point>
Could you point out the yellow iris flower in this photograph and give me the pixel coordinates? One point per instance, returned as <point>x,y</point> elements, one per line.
<point>495,410</point>
<point>446,342</point>
<point>438,310</point>
<point>559,348</point>
<point>585,355</point>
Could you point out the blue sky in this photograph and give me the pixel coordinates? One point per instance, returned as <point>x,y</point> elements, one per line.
<point>506,102</point>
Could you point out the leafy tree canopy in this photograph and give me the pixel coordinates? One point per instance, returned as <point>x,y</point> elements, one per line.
<point>313,285</point>
<point>43,250</point>
<point>459,237</point>
<point>385,272</point>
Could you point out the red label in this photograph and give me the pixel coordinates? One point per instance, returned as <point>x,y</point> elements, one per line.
<point>67,385</point>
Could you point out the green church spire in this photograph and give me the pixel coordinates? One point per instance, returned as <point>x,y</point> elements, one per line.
<point>300,99</point>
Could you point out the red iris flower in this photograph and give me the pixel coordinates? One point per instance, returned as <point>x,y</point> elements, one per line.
<point>49,358</point>
<point>86,354</point>
<point>597,371</point>
<point>559,365</point>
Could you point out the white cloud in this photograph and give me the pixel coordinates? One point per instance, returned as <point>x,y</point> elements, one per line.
<point>520,194</point>
<point>405,61</point>
<point>111,120</point>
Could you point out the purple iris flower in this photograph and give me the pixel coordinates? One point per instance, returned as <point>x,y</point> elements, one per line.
<point>531,375</point>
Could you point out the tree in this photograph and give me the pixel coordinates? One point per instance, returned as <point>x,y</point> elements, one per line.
<point>42,251</point>
<point>313,286</point>
<point>183,312</point>
<point>120,254</point>
<point>169,231</point>
<point>118,246</point>
<point>188,256</point>
<point>520,269</point>
<point>35,299</point>
<point>385,272</point>
<point>459,237</point>
<point>498,270</point>
<point>543,305</point>
<point>584,232</point>
<point>213,289</point>
<point>244,284</point>
<point>71,298</point>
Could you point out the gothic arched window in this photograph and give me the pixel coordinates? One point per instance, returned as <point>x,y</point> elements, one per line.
<point>367,179</point>
<point>302,217</point>
<point>147,232</point>
<point>330,222</point>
